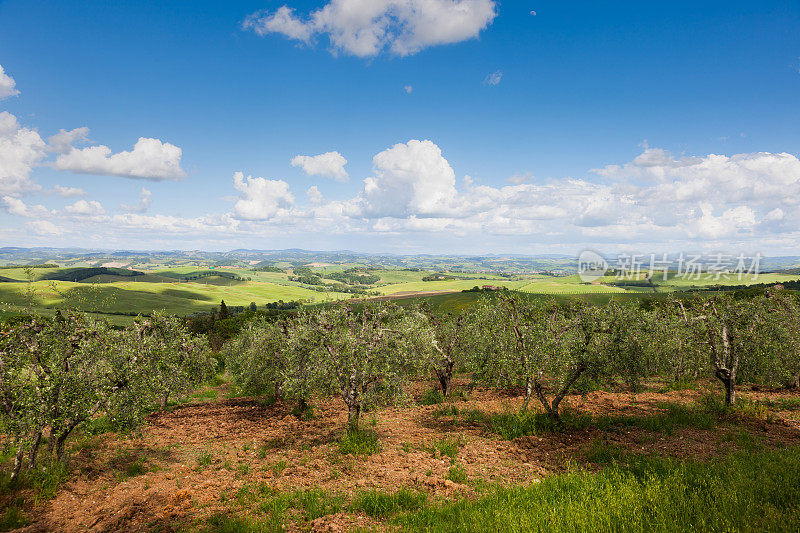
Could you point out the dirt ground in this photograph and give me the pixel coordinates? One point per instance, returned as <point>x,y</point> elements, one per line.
<point>189,461</point>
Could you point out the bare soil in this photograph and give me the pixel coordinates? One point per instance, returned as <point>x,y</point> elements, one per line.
<point>196,457</point>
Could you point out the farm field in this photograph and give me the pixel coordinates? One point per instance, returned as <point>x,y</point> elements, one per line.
<point>119,297</point>
<point>216,461</point>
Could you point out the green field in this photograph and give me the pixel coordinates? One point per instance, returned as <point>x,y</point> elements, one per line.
<point>120,297</point>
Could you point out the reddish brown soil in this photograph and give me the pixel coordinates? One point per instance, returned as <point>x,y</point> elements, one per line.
<point>175,490</point>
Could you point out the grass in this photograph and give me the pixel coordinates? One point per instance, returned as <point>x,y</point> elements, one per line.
<point>512,425</point>
<point>457,474</point>
<point>653,495</point>
<point>645,494</point>
<point>205,458</point>
<point>432,396</point>
<point>359,442</point>
<point>446,446</point>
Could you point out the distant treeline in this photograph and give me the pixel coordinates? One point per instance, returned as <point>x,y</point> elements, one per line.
<point>46,265</point>
<point>269,268</point>
<point>208,273</point>
<point>80,274</point>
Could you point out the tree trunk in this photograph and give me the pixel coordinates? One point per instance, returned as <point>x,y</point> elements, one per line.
<point>729,382</point>
<point>445,376</point>
<point>730,392</point>
<point>528,392</point>
<point>353,410</point>
<point>18,461</point>
<point>34,450</point>
<point>796,382</point>
<point>164,400</point>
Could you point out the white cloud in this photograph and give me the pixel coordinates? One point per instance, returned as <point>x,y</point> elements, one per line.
<point>21,149</point>
<point>365,28</point>
<point>328,165</point>
<point>44,227</point>
<point>63,141</point>
<point>314,195</point>
<point>17,207</point>
<point>145,199</point>
<point>410,178</point>
<point>260,199</point>
<point>150,159</point>
<point>85,208</point>
<point>517,179</point>
<point>8,87</point>
<point>69,192</point>
<point>408,89</point>
<point>494,78</point>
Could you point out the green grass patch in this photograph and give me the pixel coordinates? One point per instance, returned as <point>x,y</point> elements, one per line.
<point>457,474</point>
<point>379,504</point>
<point>745,492</point>
<point>511,425</point>
<point>446,446</point>
<point>360,442</point>
<point>432,396</point>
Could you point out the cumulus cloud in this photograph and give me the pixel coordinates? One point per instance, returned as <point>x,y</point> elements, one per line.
<point>314,195</point>
<point>365,28</point>
<point>85,208</point>
<point>44,227</point>
<point>8,87</point>
<point>21,149</point>
<point>63,141</point>
<point>150,159</point>
<point>145,199</point>
<point>494,78</point>
<point>17,207</point>
<point>69,192</point>
<point>328,165</point>
<point>260,199</point>
<point>410,178</point>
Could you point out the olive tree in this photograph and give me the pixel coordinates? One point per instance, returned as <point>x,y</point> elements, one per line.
<point>521,339</point>
<point>176,361</point>
<point>363,354</point>
<point>444,346</point>
<point>731,330</point>
<point>257,357</point>
<point>56,374</point>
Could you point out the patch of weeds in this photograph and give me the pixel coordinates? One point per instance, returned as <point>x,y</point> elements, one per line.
<point>783,404</point>
<point>457,474</point>
<point>432,396</point>
<point>207,394</point>
<point>359,442</point>
<point>446,411</point>
<point>382,505</point>
<point>278,468</point>
<point>205,458</point>
<point>446,447</point>
<point>13,517</point>
<point>244,468</point>
<point>602,453</point>
<point>136,468</point>
<point>745,440</point>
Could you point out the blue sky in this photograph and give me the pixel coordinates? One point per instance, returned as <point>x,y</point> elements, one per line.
<point>478,125</point>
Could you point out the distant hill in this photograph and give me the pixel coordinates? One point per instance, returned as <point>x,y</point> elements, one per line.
<point>81,274</point>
